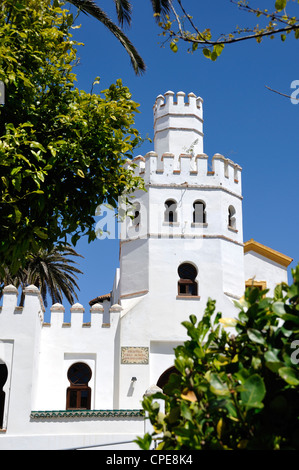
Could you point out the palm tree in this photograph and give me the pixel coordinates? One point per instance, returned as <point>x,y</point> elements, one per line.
<point>123,10</point>
<point>52,271</point>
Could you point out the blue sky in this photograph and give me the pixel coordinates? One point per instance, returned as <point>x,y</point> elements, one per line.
<point>243,120</point>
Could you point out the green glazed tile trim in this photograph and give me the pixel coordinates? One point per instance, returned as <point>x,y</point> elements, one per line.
<point>87,414</point>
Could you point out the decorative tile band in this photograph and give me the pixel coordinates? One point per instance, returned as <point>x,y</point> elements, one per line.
<point>87,414</point>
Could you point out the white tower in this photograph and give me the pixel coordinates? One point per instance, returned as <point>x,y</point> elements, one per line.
<point>178,125</point>
<point>185,243</point>
<point>186,206</point>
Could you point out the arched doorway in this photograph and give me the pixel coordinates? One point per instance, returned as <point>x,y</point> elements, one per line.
<point>164,378</point>
<point>3,378</point>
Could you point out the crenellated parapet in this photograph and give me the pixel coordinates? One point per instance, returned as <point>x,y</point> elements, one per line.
<point>33,299</point>
<point>177,105</point>
<point>188,169</point>
<point>100,317</point>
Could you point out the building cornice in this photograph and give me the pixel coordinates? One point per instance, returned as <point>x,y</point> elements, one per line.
<point>273,255</point>
<point>207,187</point>
<point>182,236</point>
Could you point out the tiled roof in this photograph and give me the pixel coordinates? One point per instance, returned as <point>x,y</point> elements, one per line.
<point>100,298</point>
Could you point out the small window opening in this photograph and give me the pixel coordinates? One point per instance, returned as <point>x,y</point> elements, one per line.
<point>226,169</point>
<point>252,283</point>
<point>199,212</point>
<point>79,393</point>
<point>187,284</point>
<point>136,215</point>
<point>170,214</point>
<point>231,217</point>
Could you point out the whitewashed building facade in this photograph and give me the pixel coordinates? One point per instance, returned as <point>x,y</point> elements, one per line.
<point>73,384</point>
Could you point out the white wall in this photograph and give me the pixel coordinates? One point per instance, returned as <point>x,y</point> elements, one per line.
<point>64,344</point>
<point>259,268</point>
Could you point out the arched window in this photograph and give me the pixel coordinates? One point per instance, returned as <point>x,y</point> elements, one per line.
<point>3,378</point>
<point>78,395</point>
<point>187,284</point>
<point>170,214</point>
<point>231,217</point>
<point>136,215</point>
<point>199,212</point>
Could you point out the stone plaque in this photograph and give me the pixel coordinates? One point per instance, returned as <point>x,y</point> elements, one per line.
<point>134,355</point>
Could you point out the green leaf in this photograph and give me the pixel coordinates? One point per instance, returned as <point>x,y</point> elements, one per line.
<point>206,52</point>
<point>185,411</point>
<point>40,233</point>
<point>180,364</point>
<point>173,47</point>
<point>218,48</point>
<point>255,336</point>
<point>230,407</point>
<point>278,308</point>
<point>256,362</point>
<point>253,392</point>
<point>80,173</point>
<point>18,214</point>
<point>144,442</point>
<point>289,375</point>
<point>217,386</point>
<point>291,318</point>
<point>293,291</point>
<point>15,170</point>
<point>37,145</point>
<point>272,361</point>
<point>174,415</point>
<point>280,4</point>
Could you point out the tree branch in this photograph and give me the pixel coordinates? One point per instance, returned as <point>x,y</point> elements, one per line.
<point>243,38</point>
<point>199,38</point>
<point>282,94</point>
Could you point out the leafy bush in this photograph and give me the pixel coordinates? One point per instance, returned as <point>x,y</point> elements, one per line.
<point>234,391</point>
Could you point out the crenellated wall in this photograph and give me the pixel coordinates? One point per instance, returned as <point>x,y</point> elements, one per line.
<point>33,351</point>
<point>99,316</point>
<point>188,169</point>
<point>38,356</point>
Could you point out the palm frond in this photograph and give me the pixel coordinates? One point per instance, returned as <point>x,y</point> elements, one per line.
<point>52,271</point>
<point>124,12</point>
<point>91,8</point>
<point>162,7</point>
